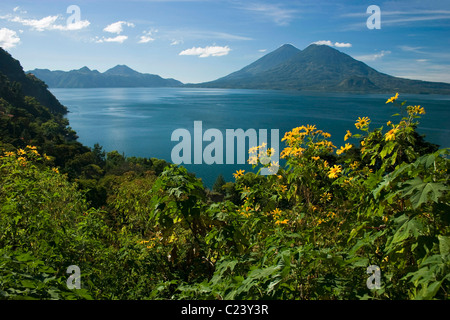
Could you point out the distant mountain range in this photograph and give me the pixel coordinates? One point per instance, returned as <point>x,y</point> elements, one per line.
<point>316,68</point>
<point>119,76</point>
<point>319,68</point>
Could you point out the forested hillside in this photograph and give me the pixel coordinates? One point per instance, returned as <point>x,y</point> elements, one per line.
<point>144,229</point>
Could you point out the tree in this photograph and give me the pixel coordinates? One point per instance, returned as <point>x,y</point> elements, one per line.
<point>220,181</point>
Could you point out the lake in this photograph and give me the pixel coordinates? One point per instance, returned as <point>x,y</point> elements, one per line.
<point>140,121</point>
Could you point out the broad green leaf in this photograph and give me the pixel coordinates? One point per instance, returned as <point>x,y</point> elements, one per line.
<point>421,192</point>
<point>444,246</point>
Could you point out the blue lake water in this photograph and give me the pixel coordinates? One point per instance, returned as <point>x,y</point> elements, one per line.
<point>140,121</point>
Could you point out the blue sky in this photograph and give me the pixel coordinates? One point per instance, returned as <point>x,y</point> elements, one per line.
<point>202,40</point>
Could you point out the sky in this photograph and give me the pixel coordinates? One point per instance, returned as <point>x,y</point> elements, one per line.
<point>201,40</point>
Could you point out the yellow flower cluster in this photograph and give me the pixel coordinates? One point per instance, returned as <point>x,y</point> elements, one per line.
<point>277,217</point>
<point>348,146</point>
<point>354,165</point>
<point>259,152</point>
<point>288,151</point>
<point>245,210</point>
<point>413,110</point>
<point>153,241</point>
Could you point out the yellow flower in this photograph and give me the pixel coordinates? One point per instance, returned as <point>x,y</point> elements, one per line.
<point>285,221</point>
<point>9,154</point>
<point>354,165</point>
<point>297,151</point>
<point>391,134</point>
<point>415,110</point>
<point>286,152</point>
<point>326,197</point>
<point>31,147</point>
<point>238,173</point>
<point>253,150</point>
<point>347,135</point>
<point>315,158</point>
<point>362,122</point>
<point>283,188</point>
<point>333,173</point>
<point>276,212</point>
<point>47,157</point>
<point>389,123</point>
<point>21,152</point>
<point>253,160</point>
<point>310,129</point>
<point>325,164</point>
<point>392,99</point>
<point>55,170</point>
<point>348,146</point>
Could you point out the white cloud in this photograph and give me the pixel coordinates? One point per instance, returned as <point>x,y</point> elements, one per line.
<point>117,27</point>
<point>48,23</point>
<point>342,45</point>
<point>262,50</point>
<point>73,26</point>
<point>215,51</point>
<point>18,9</point>
<point>8,38</point>
<point>118,39</point>
<point>147,36</point>
<point>372,57</point>
<point>324,42</point>
<point>331,44</point>
<point>175,42</point>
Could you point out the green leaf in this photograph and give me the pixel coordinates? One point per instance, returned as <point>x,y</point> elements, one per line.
<point>421,192</point>
<point>444,246</point>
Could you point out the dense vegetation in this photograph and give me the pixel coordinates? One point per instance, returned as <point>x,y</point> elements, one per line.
<point>145,229</point>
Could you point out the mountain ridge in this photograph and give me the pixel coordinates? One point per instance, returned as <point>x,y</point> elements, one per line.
<point>319,68</point>
<point>118,76</point>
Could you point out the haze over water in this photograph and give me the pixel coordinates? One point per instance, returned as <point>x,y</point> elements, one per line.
<point>140,121</point>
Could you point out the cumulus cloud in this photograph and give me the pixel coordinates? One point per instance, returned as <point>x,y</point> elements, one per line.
<point>331,44</point>
<point>117,27</point>
<point>342,45</point>
<point>8,38</point>
<point>118,39</point>
<point>147,36</point>
<point>215,51</point>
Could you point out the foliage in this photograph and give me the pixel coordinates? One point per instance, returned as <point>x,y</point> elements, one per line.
<point>143,229</point>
